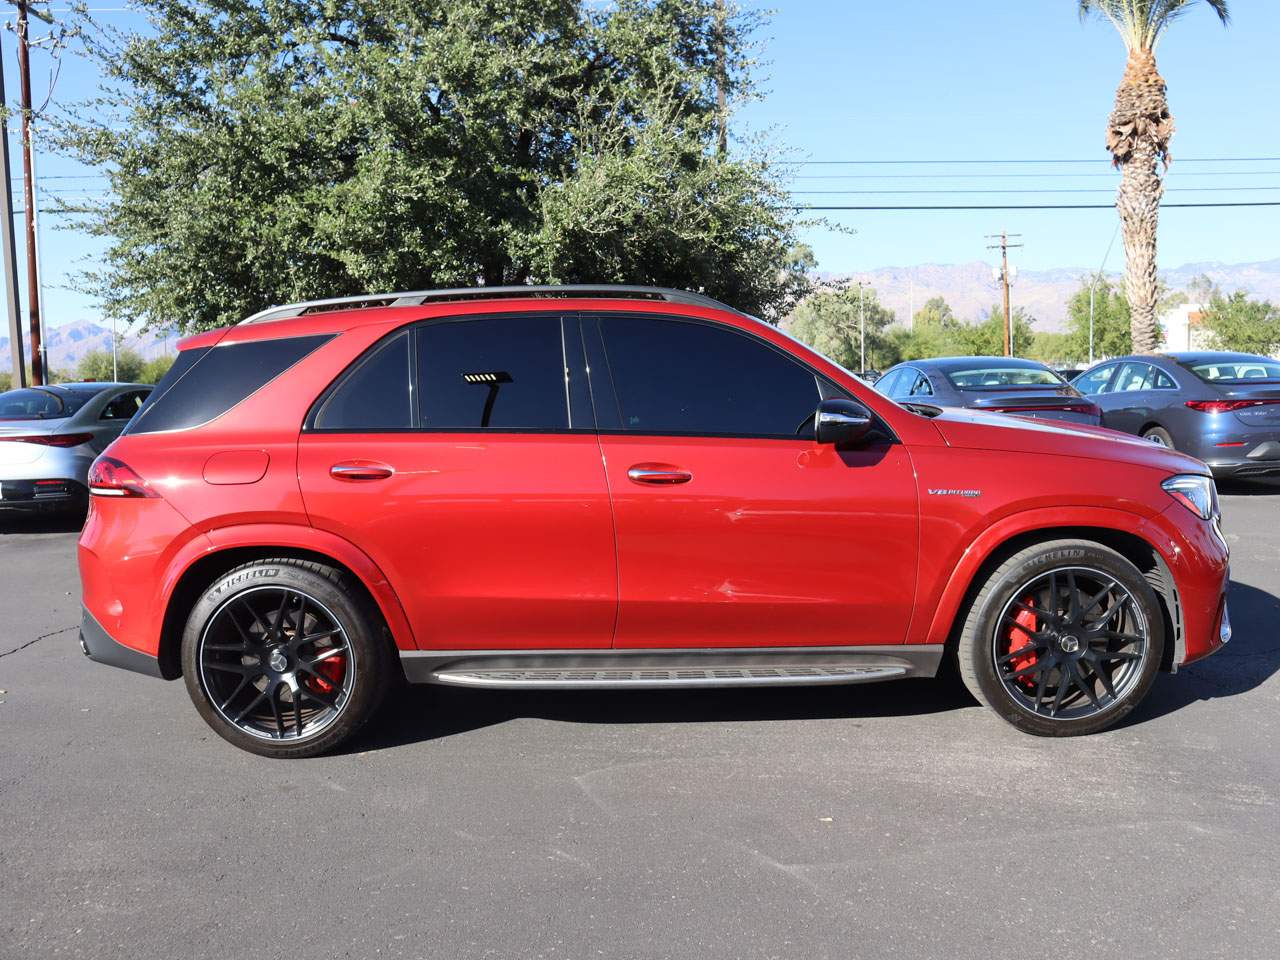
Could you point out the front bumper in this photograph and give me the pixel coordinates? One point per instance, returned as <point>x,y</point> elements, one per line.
<point>99,645</point>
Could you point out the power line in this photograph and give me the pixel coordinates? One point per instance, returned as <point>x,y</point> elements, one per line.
<point>798,163</point>
<point>1034,206</point>
<point>1009,176</point>
<point>797,193</point>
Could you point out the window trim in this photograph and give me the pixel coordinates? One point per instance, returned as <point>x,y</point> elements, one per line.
<point>411,328</point>
<point>591,329</point>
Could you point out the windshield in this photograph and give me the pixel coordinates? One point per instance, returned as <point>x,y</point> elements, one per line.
<point>35,403</point>
<point>994,378</point>
<point>1237,370</point>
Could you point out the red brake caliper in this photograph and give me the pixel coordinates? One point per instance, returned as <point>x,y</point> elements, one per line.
<point>1018,639</point>
<point>331,673</point>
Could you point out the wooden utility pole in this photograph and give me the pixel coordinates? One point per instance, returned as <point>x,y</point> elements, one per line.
<point>1003,246</point>
<point>8,248</point>
<point>722,81</point>
<point>28,195</point>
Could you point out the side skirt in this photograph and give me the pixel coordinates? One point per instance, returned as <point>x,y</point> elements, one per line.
<point>654,669</point>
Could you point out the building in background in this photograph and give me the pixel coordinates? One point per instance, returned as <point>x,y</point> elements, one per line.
<point>1183,328</point>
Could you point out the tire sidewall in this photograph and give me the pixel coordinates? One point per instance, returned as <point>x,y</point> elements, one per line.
<point>360,628</point>
<point>1004,585</point>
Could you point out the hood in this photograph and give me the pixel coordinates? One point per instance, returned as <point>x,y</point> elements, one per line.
<point>975,430</point>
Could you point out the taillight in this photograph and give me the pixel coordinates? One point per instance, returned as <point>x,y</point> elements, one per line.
<point>53,439</point>
<point>1226,406</point>
<point>109,477</point>
<point>1070,406</point>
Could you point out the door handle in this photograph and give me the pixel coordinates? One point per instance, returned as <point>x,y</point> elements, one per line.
<point>360,470</point>
<point>658,473</point>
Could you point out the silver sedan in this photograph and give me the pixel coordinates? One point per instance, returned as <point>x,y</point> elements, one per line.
<point>50,435</point>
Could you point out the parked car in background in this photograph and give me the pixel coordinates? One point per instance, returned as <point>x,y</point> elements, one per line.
<point>1069,373</point>
<point>1223,408</point>
<point>618,488</point>
<point>994,384</point>
<point>50,435</point>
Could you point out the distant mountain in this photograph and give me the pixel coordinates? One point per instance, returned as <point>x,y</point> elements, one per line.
<point>66,344</point>
<point>971,290</point>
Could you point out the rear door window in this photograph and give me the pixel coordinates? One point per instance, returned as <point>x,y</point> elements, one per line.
<point>501,373</point>
<point>216,379</point>
<point>375,395</point>
<point>1133,377</point>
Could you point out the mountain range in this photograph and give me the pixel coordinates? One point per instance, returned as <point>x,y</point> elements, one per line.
<point>968,287</point>
<point>971,289</point>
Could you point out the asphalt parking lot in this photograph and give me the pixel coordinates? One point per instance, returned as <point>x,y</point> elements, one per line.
<point>893,820</point>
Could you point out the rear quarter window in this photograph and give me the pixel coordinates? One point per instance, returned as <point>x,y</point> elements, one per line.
<point>205,383</point>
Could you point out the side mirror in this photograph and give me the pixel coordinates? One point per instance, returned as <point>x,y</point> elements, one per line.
<point>844,423</point>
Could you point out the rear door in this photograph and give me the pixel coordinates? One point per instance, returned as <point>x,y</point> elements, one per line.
<point>1128,402</point>
<point>459,454</point>
<point>734,528</point>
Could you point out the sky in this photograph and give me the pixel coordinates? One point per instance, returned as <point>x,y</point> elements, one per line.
<point>931,81</point>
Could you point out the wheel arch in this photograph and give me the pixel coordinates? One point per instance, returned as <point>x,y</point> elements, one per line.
<point>1136,546</point>
<point>240,545</point>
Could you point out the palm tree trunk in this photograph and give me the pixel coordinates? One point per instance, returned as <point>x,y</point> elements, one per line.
<point>1138,137</point>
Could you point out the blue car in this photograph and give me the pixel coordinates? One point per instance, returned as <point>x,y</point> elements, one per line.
<point>995,384</point>
<point>1223,408</point>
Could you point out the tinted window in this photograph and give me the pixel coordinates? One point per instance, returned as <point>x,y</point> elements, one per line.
<point>124,406</point>
<point>506,373</point>
<point>1164,381</point>
<point>40,403</point>
<point>985,377</point>
<point>1095,381</point>
<point>1250,369</point>
<point>672,376</point>
<point>373,396</point>
<point>216,380</point>
<point>922,387</point>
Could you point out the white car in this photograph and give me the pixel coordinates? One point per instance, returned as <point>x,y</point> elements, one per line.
<point>50,435</point>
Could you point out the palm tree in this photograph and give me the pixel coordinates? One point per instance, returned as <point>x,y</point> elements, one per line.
<point>1138,136</point>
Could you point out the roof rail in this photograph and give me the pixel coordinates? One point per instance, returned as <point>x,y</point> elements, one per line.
<point>417,297</point>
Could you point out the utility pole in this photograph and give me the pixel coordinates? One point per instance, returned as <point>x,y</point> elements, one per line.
<point>1003,246</point>
<point>28,194</point>
<point>9,247</point>
<point>722,81</point>
<point>862,327</point>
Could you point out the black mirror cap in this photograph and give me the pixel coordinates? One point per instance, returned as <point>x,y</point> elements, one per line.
<point>846,424</point>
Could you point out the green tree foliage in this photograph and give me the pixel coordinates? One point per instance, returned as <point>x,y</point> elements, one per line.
<point>154,369</point>
<point>1051,348</point>
<point>266,151</point>
<point>986,338</point>
<point>97,365</point>
<point>1111,327</point>
<point>830,322</point>
<point>1237,323</point>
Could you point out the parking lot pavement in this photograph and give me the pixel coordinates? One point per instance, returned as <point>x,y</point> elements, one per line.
<point>897,819</point>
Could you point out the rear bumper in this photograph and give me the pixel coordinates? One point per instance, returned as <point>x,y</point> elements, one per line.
<point>99,645</point>
<point>41,494</point>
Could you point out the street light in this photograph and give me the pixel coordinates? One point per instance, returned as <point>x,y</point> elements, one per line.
<point>1094,286</point>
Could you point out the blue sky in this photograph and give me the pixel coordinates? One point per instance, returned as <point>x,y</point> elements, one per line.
<point>936,81</point>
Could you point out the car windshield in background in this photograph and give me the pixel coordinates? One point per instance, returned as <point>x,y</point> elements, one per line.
<point>993,378</point>
<point>36,404</point>
<point>1234,371</point>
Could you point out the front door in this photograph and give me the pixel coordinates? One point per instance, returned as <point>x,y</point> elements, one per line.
<point>734,528</point>
<point>450,456</point>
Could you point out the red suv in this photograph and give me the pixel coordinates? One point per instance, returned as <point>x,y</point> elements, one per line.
<point>618,488</point>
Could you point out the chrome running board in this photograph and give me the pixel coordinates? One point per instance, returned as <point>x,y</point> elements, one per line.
<point>664,669</point>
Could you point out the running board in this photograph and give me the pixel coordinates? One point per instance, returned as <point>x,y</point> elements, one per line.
<point>666,669</point>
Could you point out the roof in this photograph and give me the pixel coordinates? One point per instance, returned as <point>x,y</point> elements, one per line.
<point>962,363</point>
<point>1209,356</point>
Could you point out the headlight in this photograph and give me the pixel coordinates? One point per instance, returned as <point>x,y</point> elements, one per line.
<point>1198,494</point>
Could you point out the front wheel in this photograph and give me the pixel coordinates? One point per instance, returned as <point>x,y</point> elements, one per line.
<point>1159,436</point>
<point>285,658</point>
<point>1064,638</point>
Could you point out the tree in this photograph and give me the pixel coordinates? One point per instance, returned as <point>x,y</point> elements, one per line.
<point>1112,330</point>
<point>271,152</point>
<point>1138,136</point>
<point>154,369</point>
<point>1052,348</point>
<point>1238,323</point>
<point>97,365</point>
<point>986,338</point>
<point>830,322</point>
<point>935,332</point>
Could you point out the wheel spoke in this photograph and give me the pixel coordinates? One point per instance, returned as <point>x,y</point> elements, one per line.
<point>328,654</point>
<point>318,697</point>
<point>1026,671</point>
<point>276,712</point>
<point>1073,598</point>
<point>225,647</point>
<point>1063,683</point>
<point>278,627</point>
<point>1040,687</point>
<point>1125,637</point>
<point>257,620</point>
<point>1101,673</point>
<point>244,682</point>
<point>238,668</point>
<point>250,706</point>
<point>1097,599</point>
<point>1053,595</point>
<point>1034,611</point>
<point>1079,679</point>
<point>1014,655</point>
<point>1108,655</point>
<point>297,714</point>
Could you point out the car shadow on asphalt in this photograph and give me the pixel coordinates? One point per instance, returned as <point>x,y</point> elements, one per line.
<point>421,713</point>
<point>16,521</point>
<point>1248,661</point>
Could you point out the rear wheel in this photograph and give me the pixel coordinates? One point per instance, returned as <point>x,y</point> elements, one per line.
<point>285,658</point>
<point>1064,638</point>
<point>1159,436</point>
